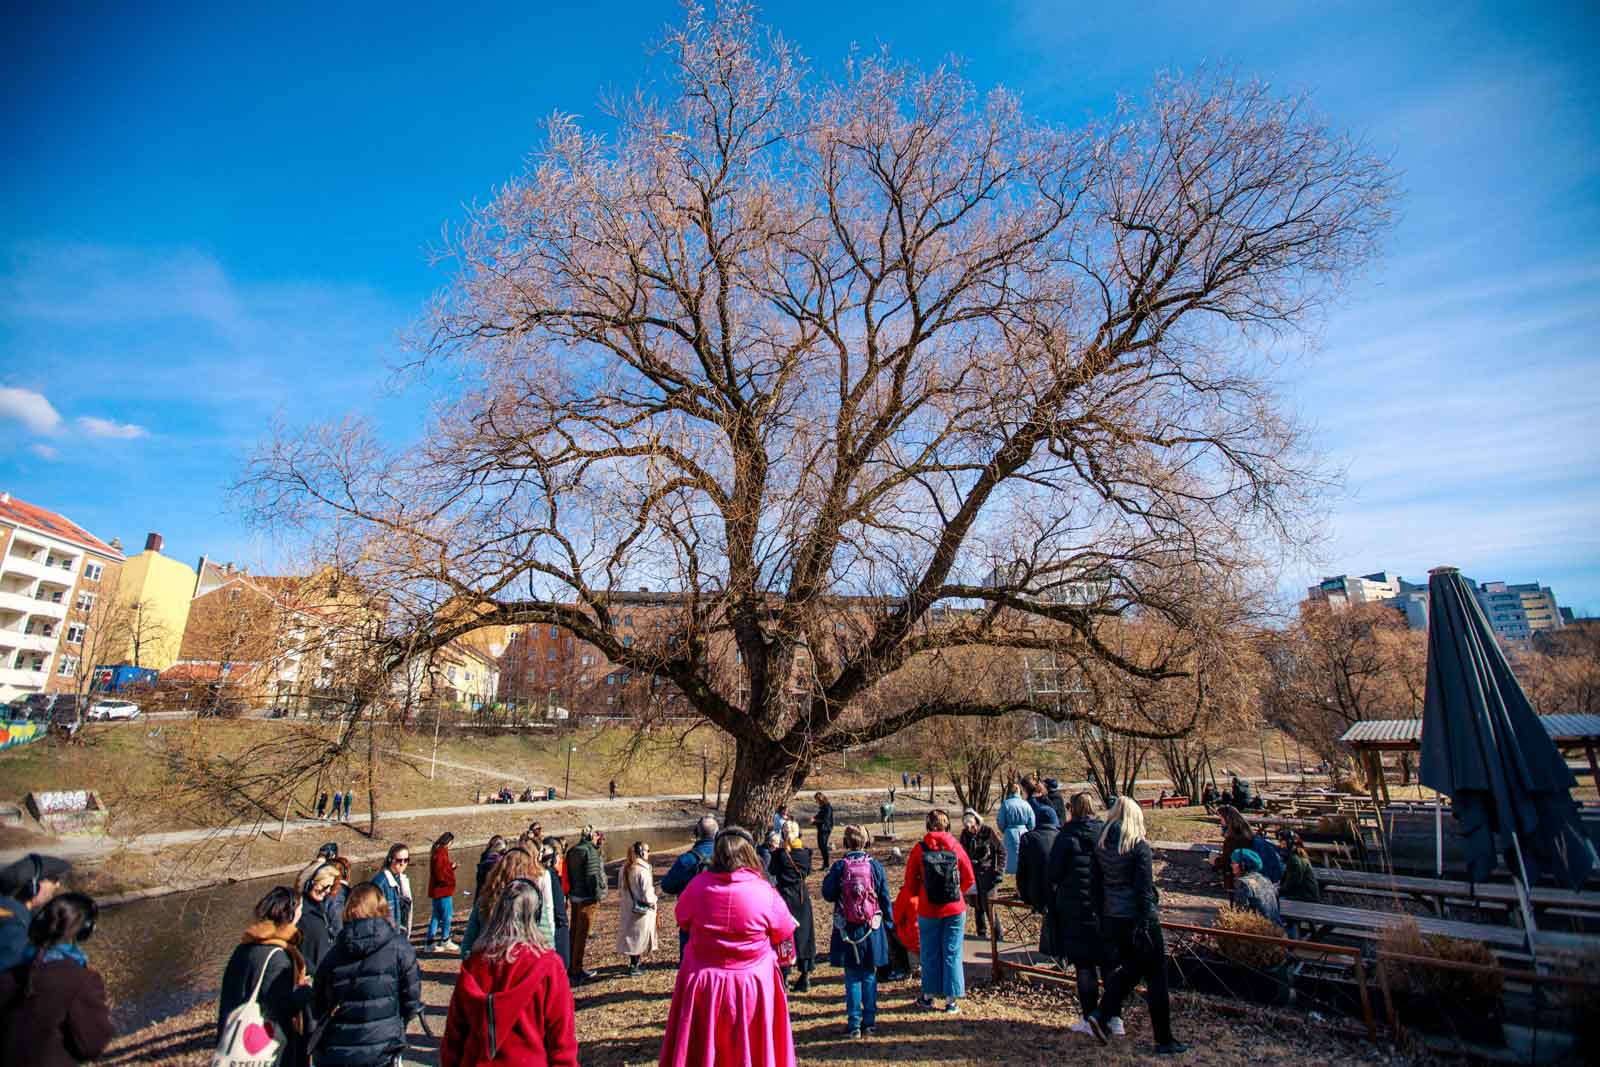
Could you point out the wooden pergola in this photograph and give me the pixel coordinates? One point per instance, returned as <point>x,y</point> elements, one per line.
<point>1573,734</point>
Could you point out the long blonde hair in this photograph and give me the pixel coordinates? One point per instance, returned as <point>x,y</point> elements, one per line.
<point>1128,817</point>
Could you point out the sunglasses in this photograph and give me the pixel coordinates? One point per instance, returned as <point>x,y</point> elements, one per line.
<point>401,861</point>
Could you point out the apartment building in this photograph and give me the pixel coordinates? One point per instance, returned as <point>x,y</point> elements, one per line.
<point>58,591</point>
<point>1517,612</point>
<point>157,590</point>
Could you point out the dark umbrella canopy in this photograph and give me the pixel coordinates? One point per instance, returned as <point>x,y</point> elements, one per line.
<point>1484,748</point>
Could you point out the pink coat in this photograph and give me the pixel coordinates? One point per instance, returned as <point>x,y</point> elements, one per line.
<point>729,1008</point>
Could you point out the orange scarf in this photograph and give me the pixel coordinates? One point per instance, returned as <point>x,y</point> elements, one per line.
<point>262,932</point>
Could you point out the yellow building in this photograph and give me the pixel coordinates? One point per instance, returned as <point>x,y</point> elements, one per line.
<point>157,590</point>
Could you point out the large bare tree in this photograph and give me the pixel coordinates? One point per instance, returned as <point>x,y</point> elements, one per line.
<point>855,369</point>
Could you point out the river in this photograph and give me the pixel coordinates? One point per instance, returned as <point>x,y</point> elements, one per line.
<point>164,955</point>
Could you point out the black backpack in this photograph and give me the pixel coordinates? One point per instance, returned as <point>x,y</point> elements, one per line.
<point>941,877</point>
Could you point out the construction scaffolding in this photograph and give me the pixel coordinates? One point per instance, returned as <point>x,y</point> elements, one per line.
<point>1058,685</point>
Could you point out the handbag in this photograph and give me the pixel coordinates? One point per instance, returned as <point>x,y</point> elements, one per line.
<point>786,952</point>
<point>250,1039</point>
<point>639,906</point>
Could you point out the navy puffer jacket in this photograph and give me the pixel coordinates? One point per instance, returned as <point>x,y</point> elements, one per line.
<point>371,973</point>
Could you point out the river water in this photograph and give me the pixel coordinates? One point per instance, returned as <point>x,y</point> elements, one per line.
<point>165,955</point>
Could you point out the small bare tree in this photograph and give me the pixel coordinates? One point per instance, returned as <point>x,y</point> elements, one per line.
<point>882,350</point>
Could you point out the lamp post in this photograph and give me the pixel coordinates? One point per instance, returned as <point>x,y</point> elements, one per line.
<point>566,791</point>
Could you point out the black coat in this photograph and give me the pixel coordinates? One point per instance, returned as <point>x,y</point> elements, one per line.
<point>1058,803</point>
<point>371,974</point>
<point>789,878</point>
<point>824,820</point>
<point>1124,882</point>
<point>316,932</point>
<point>1072,927</point>
<point>281,1000</point>
<point>1033,867</point>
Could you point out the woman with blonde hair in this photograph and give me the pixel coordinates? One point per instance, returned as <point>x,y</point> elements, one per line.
<point>516,863</point>
<point>636,924</point>
<point>790,866</point>
<point>1123,885</point>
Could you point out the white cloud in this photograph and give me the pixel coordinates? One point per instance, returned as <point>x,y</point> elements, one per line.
<point>44,451</point>
<point>97,427</point>
<point>31,409</point>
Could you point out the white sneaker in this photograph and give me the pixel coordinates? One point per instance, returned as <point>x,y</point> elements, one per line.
<point>451,946</point>
<point>1114,1025</point>
<point>1082,1027</point>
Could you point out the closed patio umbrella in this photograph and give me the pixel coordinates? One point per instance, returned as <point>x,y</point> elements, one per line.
<point>1483,746</point>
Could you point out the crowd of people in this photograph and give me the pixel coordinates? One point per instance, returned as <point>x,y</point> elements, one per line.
<point>326,973</point>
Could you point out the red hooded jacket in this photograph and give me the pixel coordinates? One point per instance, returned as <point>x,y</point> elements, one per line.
<point>938,841</point>
<point>527,1003</point>
<point>441,874</point>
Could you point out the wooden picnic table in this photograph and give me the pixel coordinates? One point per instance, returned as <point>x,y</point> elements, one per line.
<point>1359,922</point>
<point>1290,821</point>
<point>1445,888</point>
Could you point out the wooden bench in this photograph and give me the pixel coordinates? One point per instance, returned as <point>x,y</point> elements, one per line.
<point>1173,802</point>
<point>1370,925</point>
<point>1441,889</point>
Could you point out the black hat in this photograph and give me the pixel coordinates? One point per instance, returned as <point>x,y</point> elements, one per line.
<point>1051,783</point>
<point>328,851</point>
<point>21,877</point>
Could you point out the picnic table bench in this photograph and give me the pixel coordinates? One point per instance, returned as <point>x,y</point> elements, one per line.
<point>1291,821</point>
<point>1438,890</point>
<point>1324,919</point>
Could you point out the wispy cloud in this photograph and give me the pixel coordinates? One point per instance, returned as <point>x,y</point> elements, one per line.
<point>98,427</point>
<point>31,409</point>
<point>44,451</point>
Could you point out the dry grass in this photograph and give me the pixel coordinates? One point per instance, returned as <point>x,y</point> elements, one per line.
<point>1257,955</point>
<point>1474,991</point>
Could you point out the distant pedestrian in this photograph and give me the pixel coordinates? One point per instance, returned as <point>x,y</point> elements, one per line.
<point>728,1004</point>
<point>441,894</point>
<point>371,978</point>
<point>905,780</point>
<point>823,821</point>
<point>1015,819</point>
<point>613,789</point>
<point>349,798</point>
<point>586,886</point>
<point>322,804</point>
<point>338,803</point>
<point>512,1002</point>
<point>863,921</point>
<point>267,966</point>
<point>940,874</point>
<point>53,1009</point>
<point>780,817</point>
<point>1126,901</point>
<point>394,883</point>
<point>636,922</point>
<point>1056,799</point>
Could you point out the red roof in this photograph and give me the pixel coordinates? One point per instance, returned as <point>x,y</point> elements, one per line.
<point>52,523</point>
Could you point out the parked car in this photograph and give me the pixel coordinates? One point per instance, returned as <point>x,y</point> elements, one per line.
<point>113,709</point>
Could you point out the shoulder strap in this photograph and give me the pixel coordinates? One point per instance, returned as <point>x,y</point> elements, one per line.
<point>262,977</point>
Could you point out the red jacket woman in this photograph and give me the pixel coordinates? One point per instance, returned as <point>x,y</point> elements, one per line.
<point>441,894</point>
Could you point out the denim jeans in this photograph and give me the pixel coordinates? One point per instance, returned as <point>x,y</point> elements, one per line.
<point>443,910</point>
<point>860,996</point>
<point>942,973</point>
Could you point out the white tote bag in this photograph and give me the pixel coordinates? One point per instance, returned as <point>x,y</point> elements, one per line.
<point>249,1039</point>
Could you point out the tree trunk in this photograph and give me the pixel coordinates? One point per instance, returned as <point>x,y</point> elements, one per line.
<point>372,780</point>
<point>764,776</point>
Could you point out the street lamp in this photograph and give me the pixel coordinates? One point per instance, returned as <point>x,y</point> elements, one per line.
<point>566,791</point>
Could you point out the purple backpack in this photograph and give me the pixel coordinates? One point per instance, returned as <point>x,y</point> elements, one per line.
<point>858,900</point>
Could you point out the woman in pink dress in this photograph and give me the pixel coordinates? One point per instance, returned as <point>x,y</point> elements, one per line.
<point>729,1008</point>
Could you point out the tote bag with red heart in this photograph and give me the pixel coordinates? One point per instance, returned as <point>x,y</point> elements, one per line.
<point>249,1039</point>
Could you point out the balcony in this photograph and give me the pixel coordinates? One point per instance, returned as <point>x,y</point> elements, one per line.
<point>15,683</point>
<point>16,639</point>
<point>30,568</point>
<point>50,609</point>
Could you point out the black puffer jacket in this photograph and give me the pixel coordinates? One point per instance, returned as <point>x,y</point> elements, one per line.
<point>1072,927</point>
<point>372,975</point>
<point>316,933</point>
<point>1124,882</point>
<point>1033,866</point>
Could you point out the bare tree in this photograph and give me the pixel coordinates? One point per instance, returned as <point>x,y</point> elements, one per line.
<point>783,342</point>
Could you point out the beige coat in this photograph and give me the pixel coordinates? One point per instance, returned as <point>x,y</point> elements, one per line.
<point>636,934</point>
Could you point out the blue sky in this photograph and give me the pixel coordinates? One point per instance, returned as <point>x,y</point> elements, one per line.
<point>213,219</point>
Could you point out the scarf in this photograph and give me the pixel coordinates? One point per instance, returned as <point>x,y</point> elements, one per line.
<point>262,932</point>
<point>63,951</point>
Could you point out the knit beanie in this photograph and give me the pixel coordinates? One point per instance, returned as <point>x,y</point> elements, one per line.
<point>1247,858</point>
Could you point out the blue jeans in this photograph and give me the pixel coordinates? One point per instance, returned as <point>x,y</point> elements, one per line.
<point>860,996</point>
<point>942,973</point>
<point>443,909</point>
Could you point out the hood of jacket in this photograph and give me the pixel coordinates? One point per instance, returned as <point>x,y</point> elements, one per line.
<point>1045,819</point>
<point>939,841</point>
<point>1086,829</point>
<point>509,986</point>
<point>363,937</point>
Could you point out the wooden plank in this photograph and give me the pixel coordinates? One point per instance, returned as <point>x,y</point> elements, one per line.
<point>1371,924</point>
<point>1498,892</point>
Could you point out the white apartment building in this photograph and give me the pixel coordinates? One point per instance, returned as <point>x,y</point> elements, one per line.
<point>52,574</point>
<point>1515,612</point>
<point>1518,611</point>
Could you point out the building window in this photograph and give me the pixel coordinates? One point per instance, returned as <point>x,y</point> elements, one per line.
<point>588,660</point>
<point>92,571</point>
<point>555,631</point>
<point>627,642</point>
<point>85,602</point>
<point>75,634</point>
<point>611,679</point>
<point>627,620</point>
<point>69,665</point>
<point>552,656</point>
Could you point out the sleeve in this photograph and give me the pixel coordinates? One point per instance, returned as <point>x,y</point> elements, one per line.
<point>560,1028</point>
<point>880,884</point>
<point>280,997</point>
<point>804,868</point>
<point>1097,883</point>
<point>831,882</point>
<point>781,925</point>
<point>1055,870</point>
<point>913,880</point>
<point>88,1021</point>
<point>1028,819</point>
<point>455,1026</point>
<point>677,879</point>
<point>964,864</point>
<point>645,880</point>
<point>410,984</point>
<point>688,906</point>
<point>471,933</point>
<point>322,986</point>
<point>1143,875</point>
